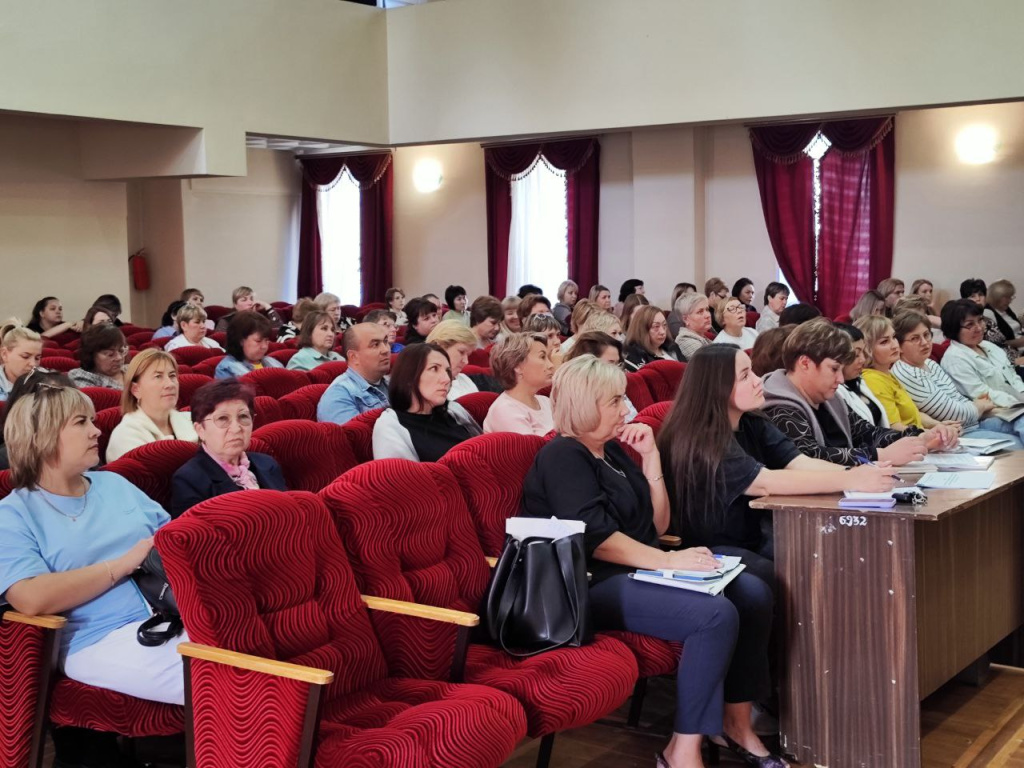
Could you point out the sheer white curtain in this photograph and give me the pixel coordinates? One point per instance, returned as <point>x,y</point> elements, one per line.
<point>538,243</point>
<point>339,238</point>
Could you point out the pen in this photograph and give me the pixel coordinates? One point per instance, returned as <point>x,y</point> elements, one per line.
<point>863,460</point>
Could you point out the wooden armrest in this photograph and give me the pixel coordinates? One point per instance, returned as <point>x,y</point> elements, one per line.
<point>491,561</point>
<point>256,663</point>
<point>447,615</point>
<point>44,621</point>
<point>668,540</point>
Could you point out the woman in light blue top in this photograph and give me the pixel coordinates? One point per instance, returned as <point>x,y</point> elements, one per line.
<point>315,342</point>
<point>247,344</point>
<point>69,542</point>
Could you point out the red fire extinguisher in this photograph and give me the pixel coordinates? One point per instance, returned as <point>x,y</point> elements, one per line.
<point>140,270</point>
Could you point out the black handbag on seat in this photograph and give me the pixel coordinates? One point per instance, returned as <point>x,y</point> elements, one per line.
<point>151,579</point>
<point>539,599</point>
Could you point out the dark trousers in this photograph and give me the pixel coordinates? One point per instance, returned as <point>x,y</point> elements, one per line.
<point>725,640</point>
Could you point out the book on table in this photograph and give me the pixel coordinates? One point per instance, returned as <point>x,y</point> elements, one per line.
<point>1009,413</point>
<point>983,446</point>
<point>708,582</point>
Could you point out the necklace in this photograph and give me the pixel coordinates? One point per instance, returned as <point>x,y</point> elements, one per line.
<point>55,508</point>
<point>612,467</point>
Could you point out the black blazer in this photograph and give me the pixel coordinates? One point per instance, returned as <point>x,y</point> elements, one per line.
<point>201,478</point>
<point>636,356</point>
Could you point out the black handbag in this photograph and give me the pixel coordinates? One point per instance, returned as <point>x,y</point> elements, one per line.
<point>539,599</point>
<point>151,579</point>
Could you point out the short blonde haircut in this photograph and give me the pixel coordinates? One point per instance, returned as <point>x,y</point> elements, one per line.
<point>581,313</point>
<point>510,352</point>
<point>241,292</point>
<point>873,327</point>
<point>325,299</point>
<point>722,306</point>
<point>579,387</point>
<point>448,333</point>
<point>603,321</point>
<point>141,363</point>
<point>301,308</point>
<point>32,430</point>
<point>689,303</point>
<point>12,332</point>
<point>1000,289</point>
<point>190,313</point>
<point>912,303</point>
<point>565,286</point>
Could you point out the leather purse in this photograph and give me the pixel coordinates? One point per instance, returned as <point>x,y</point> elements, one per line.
<point>151,579</point>
<point>538,598</point>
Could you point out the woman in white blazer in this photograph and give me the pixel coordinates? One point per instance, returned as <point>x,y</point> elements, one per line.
<point>149,403</point>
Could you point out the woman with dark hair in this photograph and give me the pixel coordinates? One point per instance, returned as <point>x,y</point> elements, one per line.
<point>455,298</point>
<point>776,296</point>
<point>316,342</point>
<point>97,315</point>
<point>48,318</point>
<point>113,304</point>
<point>169,321</point>
<point>247,344</point>
<point>102,356</point>
<point>647,339</point>
<point>630,287</point>
<point>533,304</point>
<point>422,317</point>
<point>606,348</point>
<point>421,424</point>
<point>222,414</point>
<point>766,356</point>
<point>854,392</point>
<point>798,313</point>
<point>975,290</point>
<point>718,453</point>
<point>629,306</point>
<point>743,289</point>
<point>395,299</point>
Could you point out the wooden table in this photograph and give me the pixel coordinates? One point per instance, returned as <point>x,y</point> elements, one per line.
<point>880,608</point>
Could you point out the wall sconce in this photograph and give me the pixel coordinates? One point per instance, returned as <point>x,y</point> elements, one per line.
<point>427,176</point>
<point>976,144</point>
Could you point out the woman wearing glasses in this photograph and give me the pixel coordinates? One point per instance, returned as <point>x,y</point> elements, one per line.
<point>732,316</point>
<point>102,356</point>
<point>647,339</point>
<point>222,414</point>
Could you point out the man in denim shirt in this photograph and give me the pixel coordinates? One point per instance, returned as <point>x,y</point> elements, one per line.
<point>364,385</point>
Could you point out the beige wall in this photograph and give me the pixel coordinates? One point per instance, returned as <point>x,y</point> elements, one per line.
<point>59,235</point>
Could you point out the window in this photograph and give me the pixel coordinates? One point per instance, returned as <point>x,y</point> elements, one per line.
<point>538,243</point>
<point>339,238</point>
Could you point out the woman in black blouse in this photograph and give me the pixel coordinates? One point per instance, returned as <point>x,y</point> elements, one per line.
<point>584,474</point>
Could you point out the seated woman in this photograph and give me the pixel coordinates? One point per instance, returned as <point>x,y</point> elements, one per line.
<point>647,339</point>
<point>602,296</point>
<point>743,289</point>
<point>732,317</point>
<point>21,349</point>
<point>243,299</point>
<point>627,289</point>
<point>766,356</point>
<point>979,367</point>
<point>976,290</point>
<point>548,327</point>
<point>919,304</point>
<point>196,298</point>
<point>331,304</point>
<point>169,322</point>
<point>882,351</point>
<point>458,342</point>
<point>717,454</point>
<point>630,305</point>
<point>891,290</point>
<point>193,325</point>
<point>27,384</point>
<point>533,304</point>
<point>606,348</point>
<point>931,389</point>
<point>300,309</point>
<point>776,296</point>
<point>421,424</point>
<point>510,310</point>
<point>316,342</point>
<point>222,413</point>
<point>675,322</point>
<point>247,344</point>
<point>455,298</point>
<point>69,542</point>
<point>854,392</point>
<point>926,290</point>
<point>395,299</point>
<point>1000,295</point>
<point>521,364</point>
<point>870,303</point>
<point>568,294</point>
<point>150,405</point>
<point>97,315</point>
<point>695,312</point>
<point>584,474</point>
<point>101,355</point>
<point>47,319</point>
<point>581,313</point>
<point>386,318</point>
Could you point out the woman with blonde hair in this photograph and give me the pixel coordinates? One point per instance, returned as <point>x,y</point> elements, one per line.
<point>869,303</point>
<point>568,294</point>
<point>21,349</point>
<point>458,342</point>
<point>192,323</point>
<point>732,317</point>
<point>647,339</point>
<point>149,403</point>
<point>891,290</point>
<point>522,365</point>
<point>601,295</point>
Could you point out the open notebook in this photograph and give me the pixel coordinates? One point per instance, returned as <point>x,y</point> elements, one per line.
<point>708,582</point>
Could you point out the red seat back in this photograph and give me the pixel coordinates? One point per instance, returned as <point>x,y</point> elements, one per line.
<point>283,355</point>
<point>302,403</point>
<point>63,364</point>
<point>654,415</point>
<point>138,339</point>
<point>208,366</point>
<point>150,467</point>
<point>268,411</point>
<point>663,378</point>
<point>156,343</point>
<point>311,455</point>
<point>105,422</point>
<point>193,354</point>
<point>481,357</point>
<point>5,483</point>
<point>188,383</point>
<point>938,350</point>
<point>752,318</point>
<point>57,352</point>
<point>215,312</point>
<point>103,397</point>
<point>275,382</point>
<point>359,432</point>
<point>490,470</point>
<point>637,391</point>
<point>325,373</point>
<point>478,403</point>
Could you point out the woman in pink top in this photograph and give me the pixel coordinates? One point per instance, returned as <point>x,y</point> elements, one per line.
<point>520,362</point>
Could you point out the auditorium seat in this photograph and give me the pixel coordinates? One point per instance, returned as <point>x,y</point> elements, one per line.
<point>663,378</point>
<point>275,382</point>
<point>193,355</point>
<point>311,455</point>
<point>137,339</point>
<point>150,467</point>
<point>105,422</point>
<point>844,319</point>
<point>5,482</point>
<point>208,366</point>
<point>366,309</point>
<point>128,329</point>
<point>103,397</point>
<point>938,350</point>
<point>188,383</point>
<point>266,411</point>
<point>156,343</point>
<point>637,391</point>
<point>474,370</point>
<point>60,363</point>
<point>429,553</point>
<point>478,403</point>
<point>654,415</point>
<point>481,357</point>
<point>302,403</point>
<point>752,318</point>
<point>56,351</point>
<point>359,432</point>
<point>325,373</point>
<point>277,586</point>
<point>221,337</point>
<point>215,312</point>
<point>283,355</point>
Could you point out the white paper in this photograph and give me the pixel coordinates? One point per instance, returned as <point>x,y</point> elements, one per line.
<point>520,528</point>
<point>865,496</point>
<point>964,461</point>
<point>972,481</point>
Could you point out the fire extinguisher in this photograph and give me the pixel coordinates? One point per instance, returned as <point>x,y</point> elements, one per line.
<point>140,270</point>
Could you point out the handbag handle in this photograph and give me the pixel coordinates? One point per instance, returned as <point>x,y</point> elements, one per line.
<point>151,637</point>
<point>509,595</point>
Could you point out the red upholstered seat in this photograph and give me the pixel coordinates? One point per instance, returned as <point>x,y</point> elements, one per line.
<point>429,553</point>
<point>752,318</point>
<point>359,432</point>
<point>220,337</point>
<point>138,339</point>
<point>128,329</point>
<point>106,420</point>
<point>208,366</point>
<point>311,455</point>
<point>215,312</point>
<point>478,403</point>
<point>302,403</point>
<point>86,706</point>
<point>654,415</point>
<point>156,343</point>
<point>283,355</point>
<point>188,383</point>
<point>63,364</point>
<point>662,378</point>
<point>56,351</point>
<point>325,373</point>
<point>366,309</point>
<point>5,483</point>
<point>267,411</point>
<point>473,370</point>
<point>278,585</point>
<point>844,318</point>
<point>275,382</point>
<point>193,355</point>
<point>637,391</point>
<point>938,350</point>
<point>150,467</point>
<point>481,357</point>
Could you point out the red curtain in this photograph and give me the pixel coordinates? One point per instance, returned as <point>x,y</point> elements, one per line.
<point>580,159</point>
<point>374,175</point>
<point>854,251</point>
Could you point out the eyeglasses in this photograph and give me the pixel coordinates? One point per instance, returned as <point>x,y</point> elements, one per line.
<point>979,323</point>
<point>224,421</point>
<point>918,338</point>
<point>736,309</point>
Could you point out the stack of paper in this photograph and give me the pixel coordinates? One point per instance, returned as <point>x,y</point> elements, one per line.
<point>934,462</point>
<point>1008,414</point>
<point>972,481</point>
<point>708,582</point>
<point>864,500</point>
<point>983,446</point>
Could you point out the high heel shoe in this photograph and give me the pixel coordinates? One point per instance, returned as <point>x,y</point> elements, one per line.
<point>660,761</point>
<point>748,757</point>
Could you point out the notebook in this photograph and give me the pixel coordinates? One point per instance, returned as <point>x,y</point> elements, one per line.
<point>971,481</point>
<point>708,582</point>
<point>1008,414</point>
<point>865,500</point>
<point>935,462</point>
<point>983,446</point>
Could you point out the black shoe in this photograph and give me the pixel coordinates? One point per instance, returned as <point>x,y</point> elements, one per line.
<point>748,757</point>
